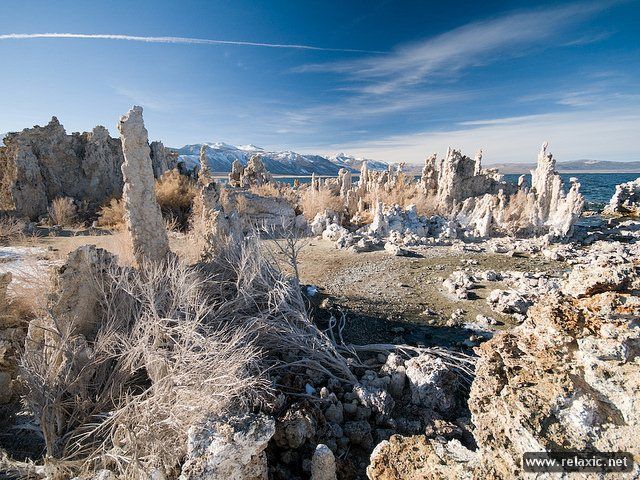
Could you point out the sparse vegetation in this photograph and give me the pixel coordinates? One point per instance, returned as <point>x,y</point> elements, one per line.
<point>175,194</point>
<point>11,229</point>
<point>112,214</point>
<point>127,397</point>
<point>63,212</point>
<point>313,202</point>
<point>405,193</point>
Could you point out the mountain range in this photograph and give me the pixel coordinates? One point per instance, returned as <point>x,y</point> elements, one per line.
<point>220,156</point>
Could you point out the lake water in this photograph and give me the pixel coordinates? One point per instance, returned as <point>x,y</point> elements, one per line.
<point>597,188</point>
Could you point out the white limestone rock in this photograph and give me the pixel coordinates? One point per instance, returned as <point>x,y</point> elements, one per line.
<point>230,448</point>
<point>433,385</point>
<point>323,464</point>
<point>142,213</point>
<point>625,200</point>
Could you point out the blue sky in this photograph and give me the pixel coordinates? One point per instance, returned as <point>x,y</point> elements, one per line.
<point>502,76</point>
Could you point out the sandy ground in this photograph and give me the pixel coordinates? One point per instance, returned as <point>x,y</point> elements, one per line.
<point>384,298</point>
<point>383,295</point>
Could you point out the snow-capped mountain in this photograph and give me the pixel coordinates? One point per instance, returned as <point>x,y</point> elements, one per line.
<point>220,156</point>
<point>355,163</point>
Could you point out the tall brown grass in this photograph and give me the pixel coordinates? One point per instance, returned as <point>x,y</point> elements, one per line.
<point>175,194</point>
<point>405,194</point>
<point>112,214</point>
<point>278,190</point>
<point>314,202</point>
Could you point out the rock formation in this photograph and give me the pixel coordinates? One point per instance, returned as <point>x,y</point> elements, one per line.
<point>255,173</point>
<point>323,464</point>
<point>40,164</point>
<point>229,448</point>
<point>344,181</point>
<point>162,159</point>
<point>205,176</point>
<point>461,177</point>
<point>429,178</point>
<point>554,209</point>
<point>626,199</point>
<point>566,379</point>
<point>418,457</point>
<point>235,175</point>
<point>142,213</point>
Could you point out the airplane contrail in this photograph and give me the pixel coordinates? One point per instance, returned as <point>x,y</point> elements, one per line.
<point>175,40</point>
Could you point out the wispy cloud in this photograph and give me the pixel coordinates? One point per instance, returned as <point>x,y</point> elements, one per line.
<point>603,133</point>
<point>469,45</point>
<point>175,40</point>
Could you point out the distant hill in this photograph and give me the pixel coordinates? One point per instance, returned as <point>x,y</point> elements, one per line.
<point>573,166</point>
<point>220,156</point>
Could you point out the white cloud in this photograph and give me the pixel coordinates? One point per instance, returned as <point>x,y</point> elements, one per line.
<point>604,134</point>
<point>174,40</point>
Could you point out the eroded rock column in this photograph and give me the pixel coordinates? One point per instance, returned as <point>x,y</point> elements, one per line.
<point>142,213</point>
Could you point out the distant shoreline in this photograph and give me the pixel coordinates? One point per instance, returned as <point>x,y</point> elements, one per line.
<point>566,172</point>
<point>219,175</point>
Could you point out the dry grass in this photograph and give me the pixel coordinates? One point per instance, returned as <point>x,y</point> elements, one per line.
<point>29,292</point>
<point>119,244</point>
<point>278,190</point>
<point>405,194</point>
<point>11,230</point>
<point>112,214</point>
<point>63,212</point>
<point>175,194</point>
<point>157,365</point>
<point>314,202</point>
<point>175,344</point>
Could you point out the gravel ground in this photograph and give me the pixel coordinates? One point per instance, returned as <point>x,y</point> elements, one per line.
<point>381,294</point>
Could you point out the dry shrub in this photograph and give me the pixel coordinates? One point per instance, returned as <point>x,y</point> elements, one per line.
<point>266,190</point>
<point>175,194</point>
<point>426,205</point>
<point>175,345</point>
<point>313,202</point>
<point>29,291</point>
<point>63,212</point>
<point>158,364</point>
<point>11,229</point>
<point>278,190</point>
<point>404,194</point>
<point>112,214</point>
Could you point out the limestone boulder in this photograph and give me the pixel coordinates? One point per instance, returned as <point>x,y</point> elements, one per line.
<point>625,200</point>
<point>433,384</point>
<point>229,448</point>
<point>418,457</point>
